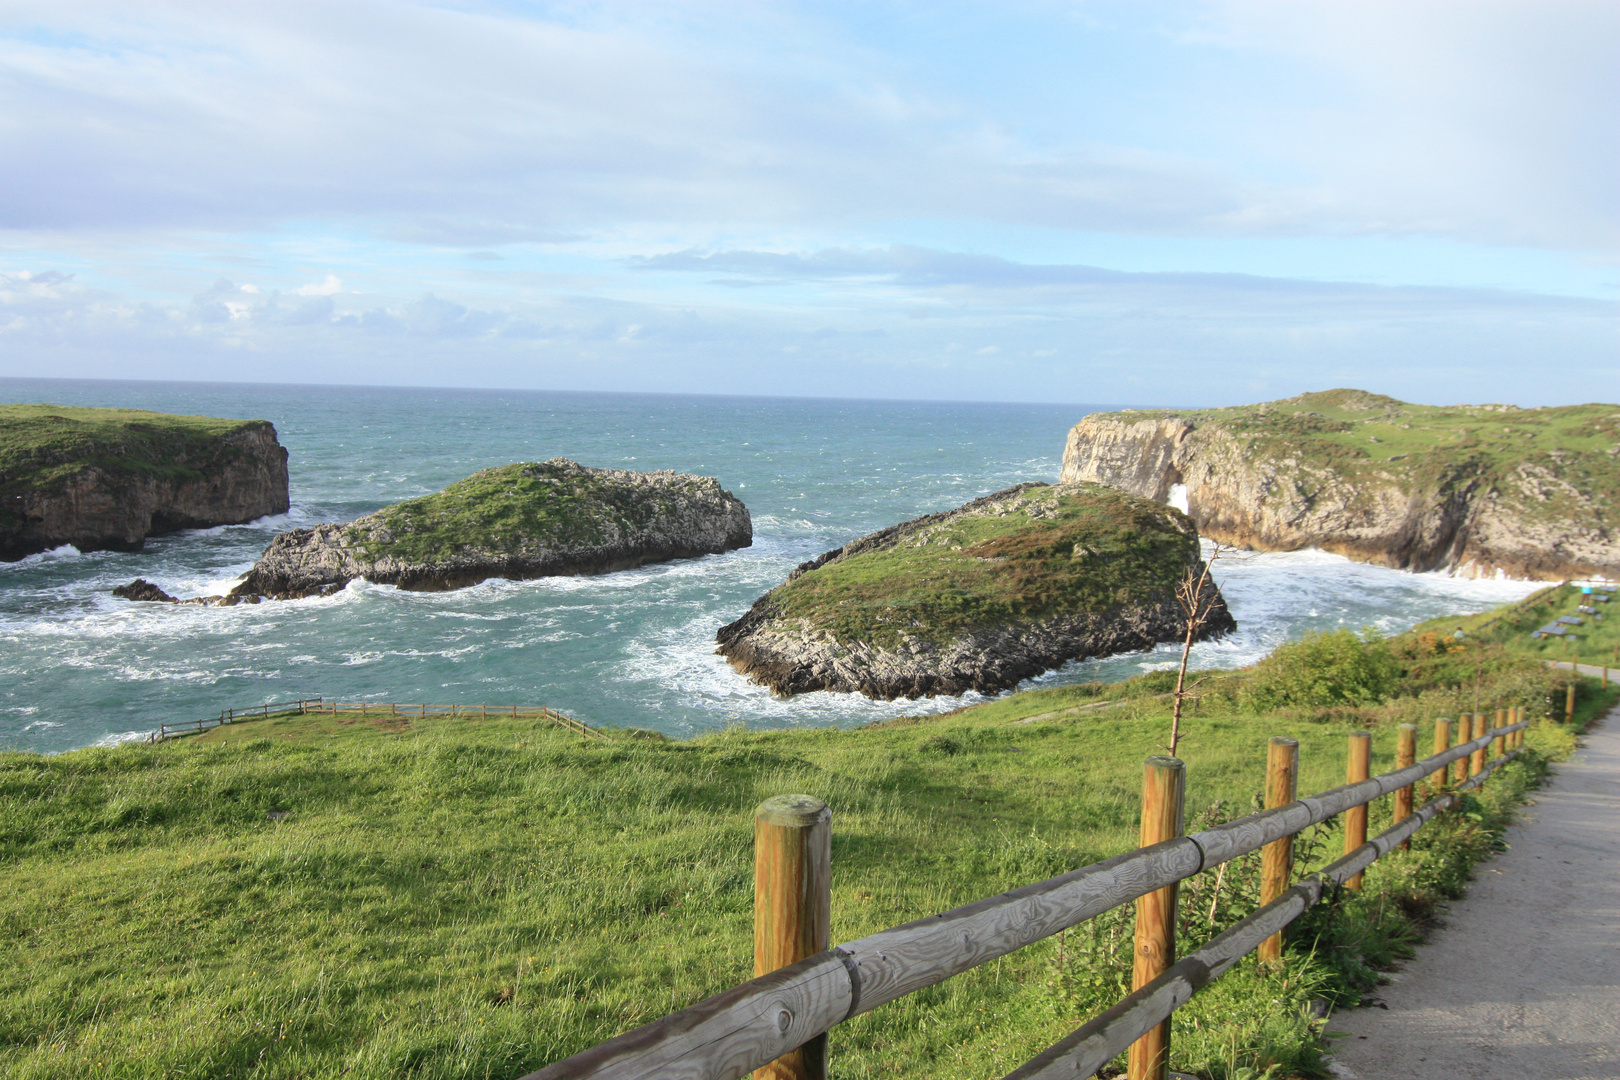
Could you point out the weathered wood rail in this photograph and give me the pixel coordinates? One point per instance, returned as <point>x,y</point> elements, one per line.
<point>751,1026</point>
<point>372,708</point>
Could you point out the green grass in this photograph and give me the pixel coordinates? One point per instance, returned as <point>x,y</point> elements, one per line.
<point>511,509</point>
<point>41,445</point>
<point>1081,548</point>
<point>474,898</point>
<point>1597,639</point>
<point>1569,450</point>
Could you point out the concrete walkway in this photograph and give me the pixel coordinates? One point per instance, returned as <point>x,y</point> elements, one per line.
<point>1523,981</point>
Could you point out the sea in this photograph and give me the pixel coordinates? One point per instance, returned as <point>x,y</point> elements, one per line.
<point>79,667</point>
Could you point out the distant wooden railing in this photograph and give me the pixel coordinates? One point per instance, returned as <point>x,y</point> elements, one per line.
<point>781,1017</point>
<point>228,716</point>
<point>372,708</point>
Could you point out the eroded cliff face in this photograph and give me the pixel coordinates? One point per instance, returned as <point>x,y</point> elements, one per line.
<point>115,501</point>
<point>1277,479</point>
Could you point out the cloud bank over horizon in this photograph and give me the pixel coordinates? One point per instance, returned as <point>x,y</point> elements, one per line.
<point>1188,203</point>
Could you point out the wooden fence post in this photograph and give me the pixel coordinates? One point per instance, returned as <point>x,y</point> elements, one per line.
<point>1476,760</point>
<point>1405,754</point>
<point>1277,857</point>
<point>1465,724</point>
<point>1499,744</point>
<point>1569,702</point>
<point>1442,743</point>
<point>792,906</point>
<point>1164,783</point>
<point>1358,767</point>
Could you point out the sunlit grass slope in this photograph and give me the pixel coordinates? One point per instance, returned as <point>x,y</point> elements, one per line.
<point>325,897</point>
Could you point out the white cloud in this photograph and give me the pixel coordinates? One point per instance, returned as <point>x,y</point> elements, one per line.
<point>1480,122</point>
<point>330,287</point>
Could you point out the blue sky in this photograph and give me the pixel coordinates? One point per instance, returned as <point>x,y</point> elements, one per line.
<point>1101,202</point>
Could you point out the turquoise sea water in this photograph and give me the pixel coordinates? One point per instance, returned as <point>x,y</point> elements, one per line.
<point>634,648</point>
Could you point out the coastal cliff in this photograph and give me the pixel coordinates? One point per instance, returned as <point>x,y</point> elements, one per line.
<point>977,598</point>
<point>106,479</point>
<point>516,521</point>
<point>1474,489</point>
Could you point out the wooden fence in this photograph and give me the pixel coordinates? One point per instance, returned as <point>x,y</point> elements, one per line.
<point>779,1019</point>
<point>373,708</point>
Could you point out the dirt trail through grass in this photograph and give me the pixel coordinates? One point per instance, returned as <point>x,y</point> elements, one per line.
<point>1524,979</point>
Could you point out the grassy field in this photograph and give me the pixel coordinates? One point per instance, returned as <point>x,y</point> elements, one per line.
<point>1596,641</point>
<point>1569,448</point>
<point>326,896</point>
<point>1048,550</point>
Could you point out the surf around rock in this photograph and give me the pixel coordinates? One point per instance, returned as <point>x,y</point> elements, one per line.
<point>977,598</point>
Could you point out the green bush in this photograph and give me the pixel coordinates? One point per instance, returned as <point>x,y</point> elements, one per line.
<point>1338,667</point>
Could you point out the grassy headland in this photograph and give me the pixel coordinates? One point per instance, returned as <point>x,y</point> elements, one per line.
<point>40,445</point>
<point>323,897</point>
<point>1344,429</point>
<point>108,478</point>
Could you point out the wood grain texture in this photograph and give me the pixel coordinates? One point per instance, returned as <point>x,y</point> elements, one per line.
<point>1442,743</point>
<point>1164,796</point>
<point>1357,767</point>
<point>1476,760</point>
<point>1405,756</point>
<point>1277,857</point>
<point>792,907</point>
<point>901,960</point>
<point>727,1036</point>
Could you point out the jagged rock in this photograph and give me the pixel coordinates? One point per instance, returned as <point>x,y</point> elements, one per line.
<point>141,589</point>
<point>1478,490</point>
<point>517,521</point>
<point>106,479</point>
<point>977,598</point>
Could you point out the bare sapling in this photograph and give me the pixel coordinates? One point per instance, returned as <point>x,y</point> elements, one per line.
<point>1198,598</point>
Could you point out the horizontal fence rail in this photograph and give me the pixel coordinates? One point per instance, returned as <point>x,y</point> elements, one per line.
<point>372,708</point>
<point>750,1025</point>
<point>1100,1040</point>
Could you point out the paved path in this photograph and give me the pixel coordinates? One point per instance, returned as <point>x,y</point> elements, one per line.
<point>1523,982</point>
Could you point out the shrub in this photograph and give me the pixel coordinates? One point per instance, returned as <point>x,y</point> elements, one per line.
<point>1338,667</point>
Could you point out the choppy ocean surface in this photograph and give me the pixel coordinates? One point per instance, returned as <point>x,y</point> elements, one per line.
<point>78,667</point>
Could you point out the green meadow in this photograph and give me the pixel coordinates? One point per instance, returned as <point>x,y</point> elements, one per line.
<point>307,897</point>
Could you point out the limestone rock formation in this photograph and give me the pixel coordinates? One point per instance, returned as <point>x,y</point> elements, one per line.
<point>517,521</point>
<point>1477,490</point>
<point>977,598</point>
<point>103,479</point>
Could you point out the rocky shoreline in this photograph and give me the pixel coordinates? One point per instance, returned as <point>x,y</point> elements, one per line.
<point>1475,490</point>
<point>106,479</point>
<point>792,653</point>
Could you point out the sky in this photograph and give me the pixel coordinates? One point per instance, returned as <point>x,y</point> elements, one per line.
<point>1134,202</point>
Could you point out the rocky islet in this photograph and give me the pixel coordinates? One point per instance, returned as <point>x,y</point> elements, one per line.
<point>978,598</point>
<point>515,521</point>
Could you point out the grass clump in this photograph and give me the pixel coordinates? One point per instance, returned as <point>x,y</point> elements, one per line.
<point>1041,552</point>
<point>458,898</point>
